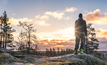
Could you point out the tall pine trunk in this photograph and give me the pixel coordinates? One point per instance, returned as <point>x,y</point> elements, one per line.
<point>29,43</point>
<point>3,40</point>
<point>1,35</point>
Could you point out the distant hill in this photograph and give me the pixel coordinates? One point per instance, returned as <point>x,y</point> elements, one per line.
<point>104,55</point>
<point>102,52</point>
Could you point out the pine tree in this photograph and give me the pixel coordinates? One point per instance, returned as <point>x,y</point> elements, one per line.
<point>91,41</point>
<point>62,51</point>
<point>22,39</point>
<point>51,52</point>
<point>6,30</point>
<point>67,51</point>
<point>58,51</point>
<point>54,52</point>
<point>47,52</point>
<point>1,33</point>
<point>30,37</point>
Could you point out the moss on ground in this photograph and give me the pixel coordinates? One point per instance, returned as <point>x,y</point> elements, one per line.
<point>2,58</point>
<point>30,60</point>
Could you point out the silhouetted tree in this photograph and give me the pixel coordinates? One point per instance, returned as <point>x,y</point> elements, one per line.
<point>36,49</point>
<point>30,37</point>
<point>51,52</point>
<point>71,51</point>
<point>47,52</point>
<point>6,30</point>
<point>22,41</point>
<point>58,51</point>
<point>67,51</point>
<point>1,33</point>
<point>91,41</point>
<point>62,51</point>
<point>54,52</point>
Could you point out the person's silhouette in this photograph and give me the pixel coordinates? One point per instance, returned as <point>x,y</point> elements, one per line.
<point>80,33</point>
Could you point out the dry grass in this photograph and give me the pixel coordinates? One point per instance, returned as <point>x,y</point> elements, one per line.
<point>54,60</point>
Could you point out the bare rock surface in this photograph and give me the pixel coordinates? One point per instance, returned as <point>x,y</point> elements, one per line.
<point>68,59</point>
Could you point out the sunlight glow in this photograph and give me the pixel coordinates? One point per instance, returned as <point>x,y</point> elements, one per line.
<point>46,43</point>
<point>59,46</point>
<point>62,34</point>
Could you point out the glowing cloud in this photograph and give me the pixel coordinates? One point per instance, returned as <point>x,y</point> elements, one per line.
<point>72,9</point>
<point>96,17</point>
<point>41,20</point>
<point>42,17</point>
<point>14,21</point>
<point>62,34</point>
<point>41,23</point>
<point>57,15</point>
<point>102,32</point>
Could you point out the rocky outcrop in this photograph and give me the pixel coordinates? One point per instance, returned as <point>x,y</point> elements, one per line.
<point>69,59</point>
<point>105,56</point>
<point>80,59</point>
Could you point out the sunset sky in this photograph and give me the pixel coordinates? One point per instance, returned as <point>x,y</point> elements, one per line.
<point>55,19</point>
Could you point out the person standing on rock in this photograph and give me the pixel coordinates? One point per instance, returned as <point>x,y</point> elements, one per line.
<point>80,33</point>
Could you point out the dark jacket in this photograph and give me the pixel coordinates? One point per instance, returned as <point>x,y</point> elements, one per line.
<point>80,26</point>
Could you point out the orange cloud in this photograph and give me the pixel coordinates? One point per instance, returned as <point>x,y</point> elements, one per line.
<point>102,32</point>
<point>62,44</point>
<point>96,17</point>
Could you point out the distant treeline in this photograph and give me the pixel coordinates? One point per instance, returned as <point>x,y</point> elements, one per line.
<point>52,52</point>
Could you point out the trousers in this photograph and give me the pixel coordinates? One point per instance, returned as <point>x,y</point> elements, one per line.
<point>80,37</point>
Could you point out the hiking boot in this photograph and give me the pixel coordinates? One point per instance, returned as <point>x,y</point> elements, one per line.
<point>76,51</point>
<point>81,51</point>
